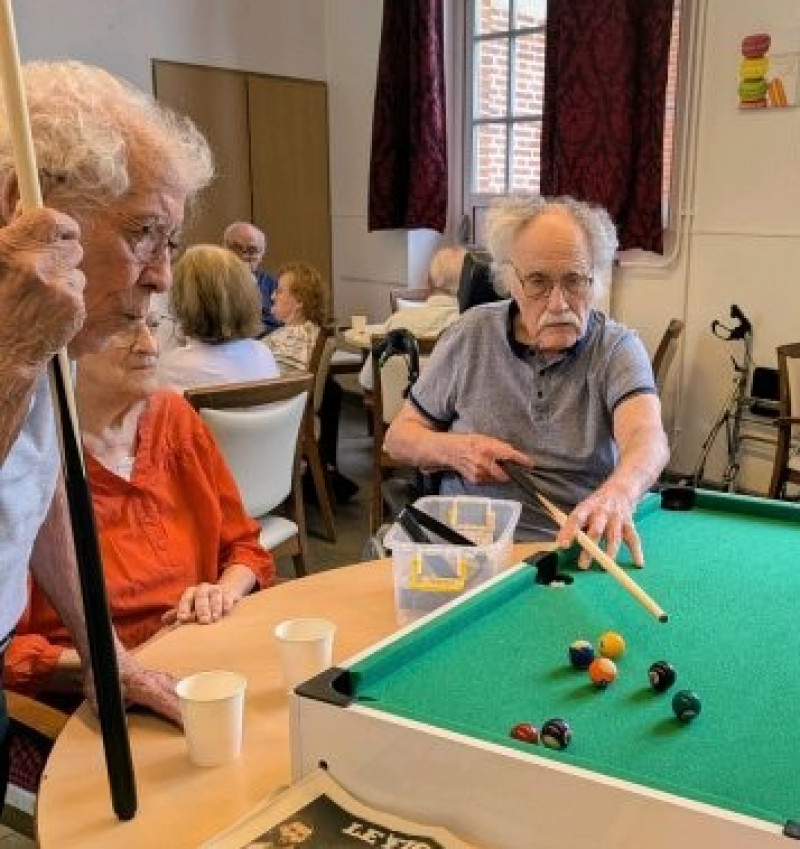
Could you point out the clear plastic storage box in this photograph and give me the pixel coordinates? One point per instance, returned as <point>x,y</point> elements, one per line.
<point>428,576</point>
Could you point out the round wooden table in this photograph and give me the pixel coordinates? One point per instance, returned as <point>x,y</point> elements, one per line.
<point>180,804</point>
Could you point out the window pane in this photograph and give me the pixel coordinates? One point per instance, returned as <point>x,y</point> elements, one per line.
<point>491,16</point>
<point>491,78</point>
<point>489,159</point>
<point>530,13</point>
<point>528,95</point>
<point>526,140</point>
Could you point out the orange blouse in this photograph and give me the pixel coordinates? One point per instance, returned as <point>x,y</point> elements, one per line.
<point>179,521</point>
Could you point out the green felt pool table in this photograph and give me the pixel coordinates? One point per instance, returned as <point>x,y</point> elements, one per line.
<point>420,724</point>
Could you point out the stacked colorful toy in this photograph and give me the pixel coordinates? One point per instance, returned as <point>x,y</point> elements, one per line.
<point>753,71</point>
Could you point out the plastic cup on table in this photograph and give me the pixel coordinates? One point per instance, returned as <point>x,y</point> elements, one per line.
<point>212,710</point>
<point>358,323</point>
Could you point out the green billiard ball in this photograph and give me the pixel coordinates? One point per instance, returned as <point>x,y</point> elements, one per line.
<point>686,705</point>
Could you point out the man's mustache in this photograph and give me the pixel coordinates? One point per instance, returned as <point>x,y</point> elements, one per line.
<point>549,319</point>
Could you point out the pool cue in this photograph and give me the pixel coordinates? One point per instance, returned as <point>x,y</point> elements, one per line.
<point>587,544</point>
<point>111,710</point>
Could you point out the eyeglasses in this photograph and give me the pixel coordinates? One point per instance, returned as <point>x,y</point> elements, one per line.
<point>149,239</point>
<point>248,251</point>
<point>128,337</point>
<point>539,286</point>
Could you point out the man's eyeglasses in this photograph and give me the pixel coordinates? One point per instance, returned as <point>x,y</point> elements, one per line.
<point>248,251</point>
<point>539,286</point>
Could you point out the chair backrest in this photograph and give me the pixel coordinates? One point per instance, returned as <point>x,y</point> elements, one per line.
<point>407,298</point>
<point>789,380</point>
<point>320,363</point>
<point>476,286</point>
<point>256,426</point>
<point>665,352</point>
<point>390,381</point>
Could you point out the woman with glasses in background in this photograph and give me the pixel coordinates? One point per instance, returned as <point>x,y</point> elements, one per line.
<point>216,305</point>
<point>543,380</point>
<point>176,543</point>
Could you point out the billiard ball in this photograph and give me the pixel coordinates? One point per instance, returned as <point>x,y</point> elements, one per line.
<point>662,675</point>
<point>602,671</point>
<point>581,654</point>
<point>611,645</point>
<point>526,732</point>
<point>686,705</point>
<point>556,733</point>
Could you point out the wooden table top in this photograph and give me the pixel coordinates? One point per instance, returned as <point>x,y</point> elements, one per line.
<point>181,803</point>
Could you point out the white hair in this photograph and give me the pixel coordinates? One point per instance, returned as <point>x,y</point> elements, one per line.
<point>87,124</point>
<point>509,215</point>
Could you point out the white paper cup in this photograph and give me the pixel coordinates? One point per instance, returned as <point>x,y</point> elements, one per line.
<point>358,323</point>
<point>306,648</point>
<point>212,708</point>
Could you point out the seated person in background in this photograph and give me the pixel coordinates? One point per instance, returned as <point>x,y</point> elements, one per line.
<point>250,244</point>
<point>439,311</point>
<point>175,540</point>
<point>543,380</point>
<point>299,302</point>
<point>215,303</point>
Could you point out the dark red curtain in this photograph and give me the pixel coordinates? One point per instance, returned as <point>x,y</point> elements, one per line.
<point>606,65</point>
<point>408,166</point>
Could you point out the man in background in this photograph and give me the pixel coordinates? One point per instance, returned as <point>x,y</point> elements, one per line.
<point>250,244</point>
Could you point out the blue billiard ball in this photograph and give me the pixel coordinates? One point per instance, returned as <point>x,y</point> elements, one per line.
<point>556,733</point>
<point>662,676</point>
<point>686,705</point>
<point>581,654</point>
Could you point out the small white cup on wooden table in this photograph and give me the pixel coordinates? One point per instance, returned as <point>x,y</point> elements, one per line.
<point>212,710</point>
<point>306,648</point>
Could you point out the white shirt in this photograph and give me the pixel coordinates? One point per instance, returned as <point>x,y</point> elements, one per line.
<point>27,483</point>
<point>428,320</point>
<point>202,364</point>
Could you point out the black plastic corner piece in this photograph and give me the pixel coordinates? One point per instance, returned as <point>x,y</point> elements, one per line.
<point>677,498</point>
<point>546,564</point>
<point>333,686</point>
<point>792,829</point>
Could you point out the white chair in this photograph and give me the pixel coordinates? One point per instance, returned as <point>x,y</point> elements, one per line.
<point>258,428</point>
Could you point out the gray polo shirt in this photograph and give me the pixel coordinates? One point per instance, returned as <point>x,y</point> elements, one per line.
<point>481,380</point>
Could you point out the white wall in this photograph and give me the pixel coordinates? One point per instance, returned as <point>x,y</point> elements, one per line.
<point>743,245</point>
<point>266,36</point>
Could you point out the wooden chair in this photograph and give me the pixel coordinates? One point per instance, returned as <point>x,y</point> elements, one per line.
<point>33,728</point>
<point>665,352</point>
<point>787,452</point>
<point>319,366</point>
<point>258,427</point>
<point>407,298</point>
<point>389,383</point>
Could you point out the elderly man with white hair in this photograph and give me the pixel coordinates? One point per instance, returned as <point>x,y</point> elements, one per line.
<point>117,171</point>
<point>543,380</point>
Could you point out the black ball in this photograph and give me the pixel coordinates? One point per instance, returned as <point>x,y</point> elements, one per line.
<point>556,733</point>
<point>662,676</point>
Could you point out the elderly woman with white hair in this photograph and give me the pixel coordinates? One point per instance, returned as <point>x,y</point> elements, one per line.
<point>543,380</point>
<point>117,171</point>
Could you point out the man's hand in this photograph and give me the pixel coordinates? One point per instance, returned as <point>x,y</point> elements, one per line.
<point>41,286</point>
<point>146,687</point>
<point>204,603</point>
<point>606,514</point>
<point>477,458</point>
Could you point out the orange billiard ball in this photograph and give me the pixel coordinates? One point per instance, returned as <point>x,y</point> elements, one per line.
<point>602,671</point>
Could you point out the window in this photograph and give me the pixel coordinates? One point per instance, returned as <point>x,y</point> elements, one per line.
<point>504,98</point>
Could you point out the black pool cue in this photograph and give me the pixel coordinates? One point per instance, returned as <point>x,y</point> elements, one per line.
<point>111,710</point>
